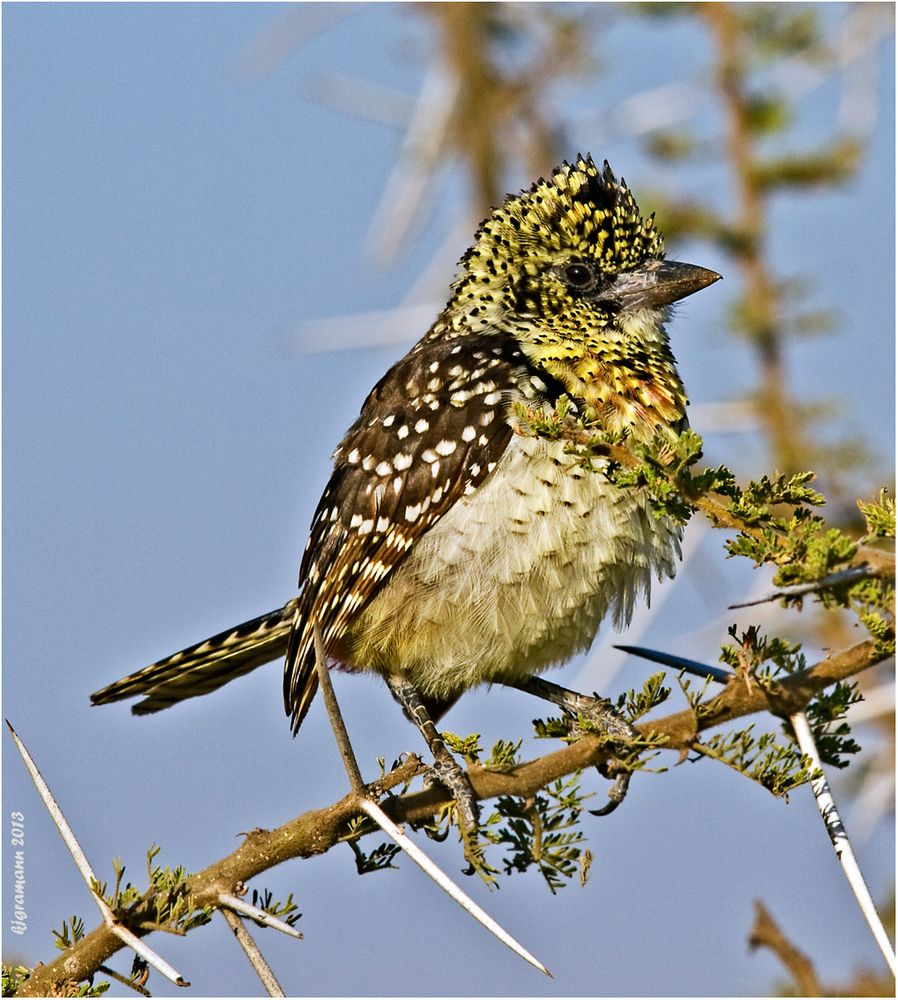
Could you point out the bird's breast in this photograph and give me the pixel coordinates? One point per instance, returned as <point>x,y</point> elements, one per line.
<point>516,577</point>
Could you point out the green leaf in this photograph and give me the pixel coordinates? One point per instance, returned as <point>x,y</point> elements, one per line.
<point>879,515</point>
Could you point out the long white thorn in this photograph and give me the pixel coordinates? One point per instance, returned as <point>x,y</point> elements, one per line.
<point>255,913</point>
<point>71,842</point>
<point>251,950</point>
<point>445,883</point>
<point>841,844</point>
<point>145,952</point>
<point>52,805</point>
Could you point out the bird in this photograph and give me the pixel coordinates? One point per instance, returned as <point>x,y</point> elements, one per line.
<point>451,548</point>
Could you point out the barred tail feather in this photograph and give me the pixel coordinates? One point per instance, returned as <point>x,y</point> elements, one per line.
<point>300,672</point>
<point>206,666</point>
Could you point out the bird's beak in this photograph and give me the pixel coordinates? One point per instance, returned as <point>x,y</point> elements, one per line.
<point>656,283</point>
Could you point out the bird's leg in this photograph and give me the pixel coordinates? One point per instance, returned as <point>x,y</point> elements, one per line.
<point>600,713</point>
<point>445,767</point>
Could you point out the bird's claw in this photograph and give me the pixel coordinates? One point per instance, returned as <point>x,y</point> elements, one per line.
<point>616,794</point>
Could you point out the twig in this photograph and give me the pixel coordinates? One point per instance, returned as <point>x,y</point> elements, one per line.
<point>83,865</point>
<point>251,949</point>
<point>239,905</point>
<point>841,844</point>
<point>367,804</point>
<point>766,933</point>
<point>850,575</point>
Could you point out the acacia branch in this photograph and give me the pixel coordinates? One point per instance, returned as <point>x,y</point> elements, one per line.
<point>318,830</point>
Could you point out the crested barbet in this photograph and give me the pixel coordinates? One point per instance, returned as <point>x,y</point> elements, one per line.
<point>453,547</point>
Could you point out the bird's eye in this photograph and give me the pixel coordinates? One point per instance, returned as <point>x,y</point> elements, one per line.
<point>579,275</point>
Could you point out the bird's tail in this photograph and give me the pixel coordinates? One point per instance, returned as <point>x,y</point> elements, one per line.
<point>205,667</point>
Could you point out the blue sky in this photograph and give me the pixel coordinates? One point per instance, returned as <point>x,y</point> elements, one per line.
<point>172,226</point>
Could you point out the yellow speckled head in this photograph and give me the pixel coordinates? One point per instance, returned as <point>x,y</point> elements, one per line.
<point>580,215</point>
<point>577,277</point>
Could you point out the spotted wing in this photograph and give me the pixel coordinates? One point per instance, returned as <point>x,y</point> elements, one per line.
<point>429,434</point>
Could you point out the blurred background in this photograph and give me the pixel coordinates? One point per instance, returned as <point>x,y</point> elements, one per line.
<point>222,223</point>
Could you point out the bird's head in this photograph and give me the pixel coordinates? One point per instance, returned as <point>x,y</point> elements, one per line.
<point>570,267</point>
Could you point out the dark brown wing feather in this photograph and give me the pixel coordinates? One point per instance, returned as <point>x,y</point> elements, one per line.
<point>430,432</point>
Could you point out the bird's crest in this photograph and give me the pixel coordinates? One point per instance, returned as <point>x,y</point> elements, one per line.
<point>578,210</point>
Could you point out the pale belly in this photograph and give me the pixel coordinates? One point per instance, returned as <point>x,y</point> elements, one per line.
<point>516,577</point>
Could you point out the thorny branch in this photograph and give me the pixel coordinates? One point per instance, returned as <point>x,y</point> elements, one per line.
<point>318,830</point>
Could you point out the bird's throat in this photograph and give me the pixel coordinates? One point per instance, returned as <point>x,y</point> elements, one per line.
<point>637,392</point>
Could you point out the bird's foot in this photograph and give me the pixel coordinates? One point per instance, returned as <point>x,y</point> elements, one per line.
<point>592,714</point>
<point>446,769</point>
<point>595,714</point>
<point>450,774</point>
<point>598,715</point>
